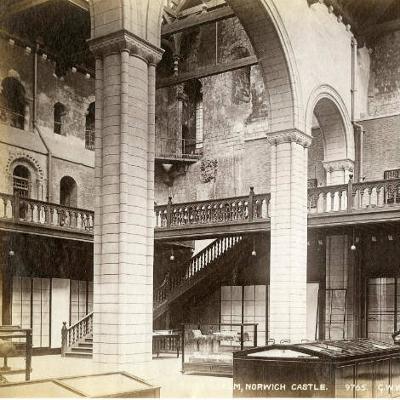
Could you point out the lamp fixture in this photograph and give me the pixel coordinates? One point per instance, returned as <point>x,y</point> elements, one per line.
<point>390,237</point>
<point>353,246</point>
<point>172,257</point>
<point>373,238</point>
<point>11,253</point>
<point>254,253</point>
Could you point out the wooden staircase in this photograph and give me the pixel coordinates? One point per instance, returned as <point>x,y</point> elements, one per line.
<point>77,339</point>
<point>81,349</point>
<point>202,266</point>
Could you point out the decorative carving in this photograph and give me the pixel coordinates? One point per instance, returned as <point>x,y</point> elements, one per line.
<point>126,41</point>
<point>24,158</point>
<point>288,136</point>
<point>208,170</point>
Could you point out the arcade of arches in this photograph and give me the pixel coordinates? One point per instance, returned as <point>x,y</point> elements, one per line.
<point>148,109</point>
<point>126,44</point>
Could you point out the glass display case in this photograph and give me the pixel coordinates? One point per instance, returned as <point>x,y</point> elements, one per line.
<point>112,384</point>
<point>208,348</point>
<point>342,368</point>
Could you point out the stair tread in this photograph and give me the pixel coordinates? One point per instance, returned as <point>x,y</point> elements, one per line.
<point>78,354</point>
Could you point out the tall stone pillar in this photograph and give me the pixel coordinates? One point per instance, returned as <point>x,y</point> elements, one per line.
<point>124,210</point>
<point>288,263</point>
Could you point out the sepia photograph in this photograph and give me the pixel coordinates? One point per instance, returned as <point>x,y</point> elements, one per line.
<point>199,198</point>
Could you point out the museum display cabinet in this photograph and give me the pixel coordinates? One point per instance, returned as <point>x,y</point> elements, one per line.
<point>114,384</point>
<point>342,368</point>
<point>15,341</point>
<point>208,348</point>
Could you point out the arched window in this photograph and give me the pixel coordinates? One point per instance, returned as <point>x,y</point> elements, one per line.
<point>59,114</point>
<point>21,181</point>
<point>68,192</point>
<point>192,117</point>
<point>89,127</point>
<point>12,102</point>
<point>241,78</point>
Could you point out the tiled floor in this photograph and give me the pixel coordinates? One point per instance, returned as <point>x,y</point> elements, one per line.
<point>164,372</point>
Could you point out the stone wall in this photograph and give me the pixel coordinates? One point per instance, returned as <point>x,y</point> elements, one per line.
<point>70,157</point>
<point>384,86</point>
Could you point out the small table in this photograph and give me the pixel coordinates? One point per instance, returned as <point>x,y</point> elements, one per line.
<point>166,342</point>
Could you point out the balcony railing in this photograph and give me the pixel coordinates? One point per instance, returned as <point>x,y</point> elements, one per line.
<point>232,210</point>
<point>347,198</point>
<point>326,200</point>
<point>11,118</point>
<point>176,149</point>
<point>40,213</point>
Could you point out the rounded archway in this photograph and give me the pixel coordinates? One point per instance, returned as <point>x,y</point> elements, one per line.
<point>21,181</point>
<point>68,192</point>
<point>332,148</point>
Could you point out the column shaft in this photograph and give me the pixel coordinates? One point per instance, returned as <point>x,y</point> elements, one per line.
<point>288,264</point>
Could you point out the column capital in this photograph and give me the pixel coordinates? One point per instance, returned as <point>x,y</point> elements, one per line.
<point>339,165</point>
<point>124,40</point>
<point>288,136</point>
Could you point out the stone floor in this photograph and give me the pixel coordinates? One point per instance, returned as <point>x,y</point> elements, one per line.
<point>163,371</point>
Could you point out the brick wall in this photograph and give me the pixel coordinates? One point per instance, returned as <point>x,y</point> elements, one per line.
<point>381,146</point>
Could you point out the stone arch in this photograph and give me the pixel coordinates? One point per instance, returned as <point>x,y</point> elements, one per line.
<point>336,130</point>
<point>142,18</point>
<point>68,191</point>
<point>263,25</point>
<point>35,171</point>
<point>333,118</point>
<point>267,34</point>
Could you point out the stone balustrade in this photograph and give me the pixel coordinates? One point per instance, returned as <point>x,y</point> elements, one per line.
<point>373,195</point>
<point>41,213</point>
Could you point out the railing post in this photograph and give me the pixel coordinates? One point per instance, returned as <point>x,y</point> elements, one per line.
<point>64,331</point>
<point>241,337</point>
<point>350,194</point>
<point>250,205</point>
<point>169,211</point>
<point>28,354</point>
<point>255,335</point>
<point>16,206</point>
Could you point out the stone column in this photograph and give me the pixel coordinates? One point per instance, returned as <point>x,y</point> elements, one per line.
<point>338,173</point>
<point>288,265</point>
<point>124,178</point>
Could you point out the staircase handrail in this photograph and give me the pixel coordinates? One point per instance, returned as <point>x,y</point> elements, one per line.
<point>198,263</point>
<point>76,331</point>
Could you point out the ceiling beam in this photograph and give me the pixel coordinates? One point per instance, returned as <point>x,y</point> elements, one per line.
<point>82,4</point>
<point>379,29</point>
<point>196,20</point>
<point>210,70</point>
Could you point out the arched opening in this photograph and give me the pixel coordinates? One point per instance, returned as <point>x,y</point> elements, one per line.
<point>89,127</point>
<point>192,116</point>
<point>12,103</point>
<point>59,116</point>
<point>68,192</point>
<point>21,181</point>
<point>329,150</point>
